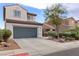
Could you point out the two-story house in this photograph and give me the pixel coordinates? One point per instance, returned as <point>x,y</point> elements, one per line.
<point>21,22</point>
<point>68,23</point>
<point>78,23</point>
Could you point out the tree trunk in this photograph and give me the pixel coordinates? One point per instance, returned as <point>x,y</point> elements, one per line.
<point>57,31</point>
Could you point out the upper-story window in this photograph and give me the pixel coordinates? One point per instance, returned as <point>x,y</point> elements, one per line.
<point>29,17</point>
<point>17,13</point>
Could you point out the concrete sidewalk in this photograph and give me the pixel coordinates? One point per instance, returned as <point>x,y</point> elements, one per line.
<point>11,52</point>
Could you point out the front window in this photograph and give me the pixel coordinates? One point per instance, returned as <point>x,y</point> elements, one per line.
<point>29,17</point>
<point>17,13</point>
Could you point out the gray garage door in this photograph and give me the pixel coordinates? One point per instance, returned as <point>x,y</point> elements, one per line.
<point>24,32</point>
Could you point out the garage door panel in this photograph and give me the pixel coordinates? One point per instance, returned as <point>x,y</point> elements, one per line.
<point>22,32</point>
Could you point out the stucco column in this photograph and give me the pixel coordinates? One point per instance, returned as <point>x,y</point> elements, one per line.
<point>10,27</point>
<point>39,32</point>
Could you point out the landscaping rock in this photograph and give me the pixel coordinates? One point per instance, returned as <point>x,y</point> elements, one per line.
<point>4,44</point>
<point>61,40</point>
<point>50,38</point>
<point>0,45</point>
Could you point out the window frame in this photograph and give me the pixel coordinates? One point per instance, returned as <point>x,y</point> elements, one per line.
<point>17,13</point>
<point>29,17</point>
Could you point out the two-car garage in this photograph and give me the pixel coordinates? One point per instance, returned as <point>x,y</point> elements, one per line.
<point>24,29</point>
<point>24,32</point>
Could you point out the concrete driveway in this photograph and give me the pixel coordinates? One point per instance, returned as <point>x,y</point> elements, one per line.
<point>41,46</point>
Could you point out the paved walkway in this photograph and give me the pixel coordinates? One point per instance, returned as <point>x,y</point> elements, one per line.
<point>42,46</point>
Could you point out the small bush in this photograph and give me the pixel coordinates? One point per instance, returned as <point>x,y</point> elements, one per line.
<point>6,34</point>
<point>77,36</point>
<point>73,34</point>
<point>45,34</point>
<point>1,35</point>
<point>67,34</point>
<point>69,38</point>
<point>61,35</point>
<point>52,33</point>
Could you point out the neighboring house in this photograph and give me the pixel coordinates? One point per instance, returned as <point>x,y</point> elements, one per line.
<point>78,23</point>
<point>47,26</point>
<point>21,22</point>
<point>68,23</point>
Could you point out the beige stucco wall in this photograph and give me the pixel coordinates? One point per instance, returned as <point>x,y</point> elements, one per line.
<point>72,23</point>
<point>78,24</point>
<point>39,28</point>
<point>10,13</point>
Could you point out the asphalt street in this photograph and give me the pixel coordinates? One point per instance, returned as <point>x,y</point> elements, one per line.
<point>70,52</point>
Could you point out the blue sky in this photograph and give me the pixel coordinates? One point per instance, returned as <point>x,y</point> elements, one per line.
<point>37,8</point>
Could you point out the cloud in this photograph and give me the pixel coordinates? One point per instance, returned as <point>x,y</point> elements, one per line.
<point>41,4</point>
<point>71,6</point>
<point>73,10</point>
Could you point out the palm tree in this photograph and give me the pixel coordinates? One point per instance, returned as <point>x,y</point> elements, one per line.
<point>55,15</point>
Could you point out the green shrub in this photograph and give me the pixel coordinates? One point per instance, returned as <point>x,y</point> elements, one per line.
<point>61,34</point>
<point>73,34</point>
<point>52,33</point>
<point>1,35</point>
<point>69,38</point>
<point>45,34</point>
<point>67,34</point>
<point>6,34</point>
<point>77,36</point>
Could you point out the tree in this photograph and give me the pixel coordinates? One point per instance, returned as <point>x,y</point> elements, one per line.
<point>55,14</point>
